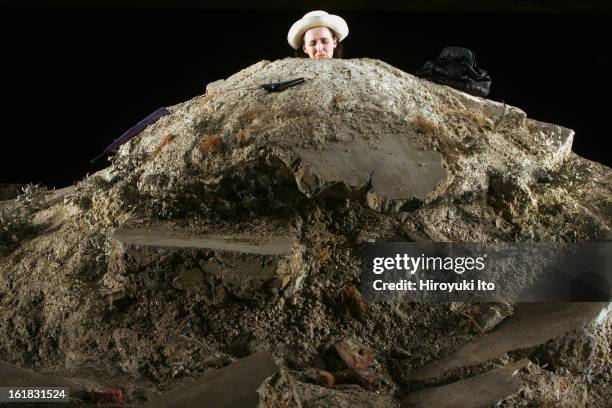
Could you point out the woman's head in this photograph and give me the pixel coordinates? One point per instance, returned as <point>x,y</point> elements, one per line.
<point>318,35</point>
<point>319,43</point>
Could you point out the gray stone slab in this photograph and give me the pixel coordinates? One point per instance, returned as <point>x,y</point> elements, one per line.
<point>245,383</point>
<point>158,236</point>
<point>249,268</point>
<point>13,376</point>
<point>392,172</point>
<point>483,390</point>
<point>532,324</point>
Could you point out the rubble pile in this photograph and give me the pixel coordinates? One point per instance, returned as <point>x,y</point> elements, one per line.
<point>225,239</point>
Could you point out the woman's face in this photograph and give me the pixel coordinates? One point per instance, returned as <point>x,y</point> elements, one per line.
<point>319,42</point>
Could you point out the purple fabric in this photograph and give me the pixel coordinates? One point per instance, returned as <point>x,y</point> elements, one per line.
<point>135,130</point>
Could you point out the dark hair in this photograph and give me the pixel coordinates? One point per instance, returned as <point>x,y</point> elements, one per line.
<point>338,51</point>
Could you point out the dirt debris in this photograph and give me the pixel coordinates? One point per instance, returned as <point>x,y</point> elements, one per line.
<point>244,164</point>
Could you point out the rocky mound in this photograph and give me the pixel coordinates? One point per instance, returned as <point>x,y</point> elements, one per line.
<point>233,226</point>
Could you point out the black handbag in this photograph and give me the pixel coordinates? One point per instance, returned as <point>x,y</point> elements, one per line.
<point>456,67</point>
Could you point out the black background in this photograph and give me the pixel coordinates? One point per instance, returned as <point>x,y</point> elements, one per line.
<point>73,79</point>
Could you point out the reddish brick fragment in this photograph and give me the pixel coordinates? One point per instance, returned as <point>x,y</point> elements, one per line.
<point>105,396</point>
<point>363,377</point>
<point>325,378</point>
<point>354,301</point>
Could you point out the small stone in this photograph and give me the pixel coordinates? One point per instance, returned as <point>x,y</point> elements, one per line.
<point>401,353</point>
<point>215,86</point>
<point>354,355</point>
<point>220,294</point>
<point>492,315</point>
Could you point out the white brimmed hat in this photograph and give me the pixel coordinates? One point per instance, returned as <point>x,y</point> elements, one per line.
<point>316,18</point>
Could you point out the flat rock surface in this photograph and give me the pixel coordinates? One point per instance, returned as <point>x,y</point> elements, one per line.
<point>246,263</point>
<point>397,169</point>
<point>172,238</point>
<point>13,376</point>
<point>532,324</point>
<point>236,385</point>
<point>483,390</point>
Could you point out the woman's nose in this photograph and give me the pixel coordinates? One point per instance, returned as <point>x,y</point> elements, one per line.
<point>320,47</point>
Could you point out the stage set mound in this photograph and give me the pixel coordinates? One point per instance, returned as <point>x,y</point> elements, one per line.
<point>216,260</point>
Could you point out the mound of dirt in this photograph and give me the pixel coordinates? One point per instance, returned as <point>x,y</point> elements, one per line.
<point>233,226</point>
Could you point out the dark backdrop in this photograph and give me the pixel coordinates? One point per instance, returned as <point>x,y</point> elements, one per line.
<point>73,79</point>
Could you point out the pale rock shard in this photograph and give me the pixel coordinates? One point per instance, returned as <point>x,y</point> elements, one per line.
<point>483,390</point>
<point>254,381</point>
<point>13,376</point>
<point>216,86</point>
<point>247,267</point>
<point>531,325</point>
